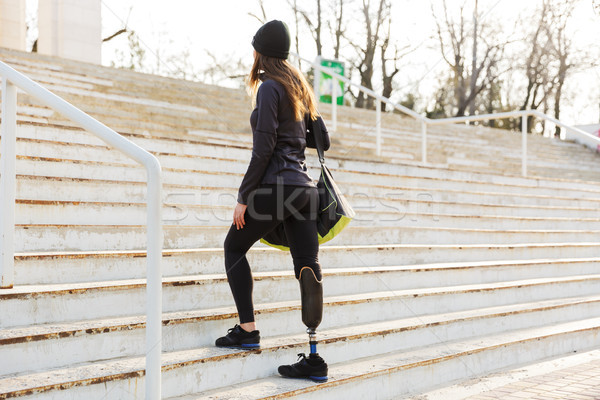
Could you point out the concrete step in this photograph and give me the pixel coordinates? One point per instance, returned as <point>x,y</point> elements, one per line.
<point>341,110</point>
<point>30,238</point>
<point>46,189</point>
<point>141,80</point>
<point>139,104</point>
<point>399,374</point>
<point>391,136</point>
<point>70,267</point>
<point>105,213</point>
<point>38,347</point>
<point>246,137</point>
<point>461,143</point>
<point>409,200</point>
<point>122,116</point>
<point>348,181</point>
<point>388,144</point>
<point>122,80</point>
<point>459,134</point>
<point>476,156</point>
<point>182,368</point>
<point>128,100</point>
<point>211,164</point>
<point>485,155</point>
<point>45,304</point>
<point>233,154</point>
<point>440,151</point>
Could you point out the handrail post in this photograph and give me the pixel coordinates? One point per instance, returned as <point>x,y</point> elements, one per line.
<point>317,78</point>
<point>154,283</point>
<point>423,142</point>
<point>8,183</point>
<point>524,144</point>
<point>334,103</point>
<point>378,126</point>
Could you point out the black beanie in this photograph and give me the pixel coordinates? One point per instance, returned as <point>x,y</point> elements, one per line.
<point>272,39</point>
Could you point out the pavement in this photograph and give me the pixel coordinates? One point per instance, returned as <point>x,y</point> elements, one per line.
<point>575,377</point>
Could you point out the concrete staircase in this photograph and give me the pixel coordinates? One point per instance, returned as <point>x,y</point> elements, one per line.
<point>449,271</point>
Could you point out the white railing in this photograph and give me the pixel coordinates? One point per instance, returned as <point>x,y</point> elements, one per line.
<point>11,79</point>
<point>523,114</point>
<point>425,122</point>
<point>371,93</point>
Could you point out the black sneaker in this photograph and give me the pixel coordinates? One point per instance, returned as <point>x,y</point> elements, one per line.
<point>238,338</point>
<point>311,367</point>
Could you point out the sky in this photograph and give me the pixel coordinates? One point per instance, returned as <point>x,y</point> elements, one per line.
<point>225,28</point>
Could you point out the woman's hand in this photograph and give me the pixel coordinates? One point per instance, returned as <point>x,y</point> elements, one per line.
<point>238,215</point>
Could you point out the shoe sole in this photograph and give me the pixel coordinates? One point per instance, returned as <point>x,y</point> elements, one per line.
<point>318,379</point>
<point>243,346</point>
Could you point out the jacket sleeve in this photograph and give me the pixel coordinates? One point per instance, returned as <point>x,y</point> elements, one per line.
<point>310,136</point>
<point>264,139</point>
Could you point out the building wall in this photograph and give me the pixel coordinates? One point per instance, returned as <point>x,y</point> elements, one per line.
<point>13,29</point>
<point>70,29</point>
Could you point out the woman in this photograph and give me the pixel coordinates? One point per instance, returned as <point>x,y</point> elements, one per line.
<point>276,186</point>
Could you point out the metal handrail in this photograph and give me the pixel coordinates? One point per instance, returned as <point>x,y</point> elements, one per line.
<point>11,79</point>
<point>425,121</point>
<point>523,114</point>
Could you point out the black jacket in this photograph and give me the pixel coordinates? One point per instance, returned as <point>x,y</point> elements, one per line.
<point>278,142</point>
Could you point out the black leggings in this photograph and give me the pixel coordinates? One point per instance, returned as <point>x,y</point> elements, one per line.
<point>268,205</point>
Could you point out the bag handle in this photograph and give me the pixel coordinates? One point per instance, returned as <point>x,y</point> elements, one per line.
<point>318,139</point>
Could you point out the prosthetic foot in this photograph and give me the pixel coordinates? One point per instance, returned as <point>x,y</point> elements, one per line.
<point>311,293</point>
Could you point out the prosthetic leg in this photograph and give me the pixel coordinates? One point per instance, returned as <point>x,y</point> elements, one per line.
<point>311,294</point>
<point>312,367</point>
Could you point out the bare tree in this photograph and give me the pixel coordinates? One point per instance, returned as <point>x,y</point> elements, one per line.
<point>442,100</point>
<point>469,78</point>
<point>262,18</point>
<point>399,53</point>
<point>227,67</point>
<point>364,63</point>
<point>114,35</point>
<point>562,49</point>
<point>388,77</point>
<point>31,23</point>
<point>473,83</point>
<point>551,57</point>
<point>294,6</point>
<point>124,29</point>
<point>313,22</point>
<point>339,30</point>
<point>315,29</point>
<point>134,57</point>
<point>539,82</point>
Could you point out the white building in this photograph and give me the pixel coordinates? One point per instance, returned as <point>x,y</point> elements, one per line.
<point>67,28</point>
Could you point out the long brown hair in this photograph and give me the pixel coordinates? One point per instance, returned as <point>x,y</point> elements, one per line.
<point>302,98</point>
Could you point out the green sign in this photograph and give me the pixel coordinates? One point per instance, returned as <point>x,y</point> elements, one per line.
<point>326,89</point>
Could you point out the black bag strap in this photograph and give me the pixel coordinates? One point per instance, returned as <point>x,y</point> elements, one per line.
<point>318,139</point>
